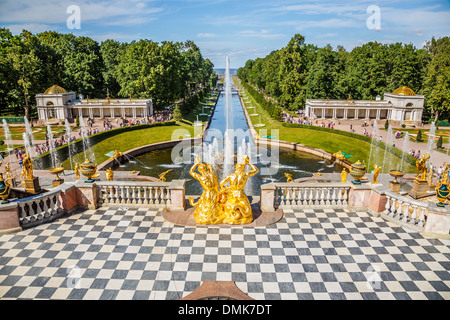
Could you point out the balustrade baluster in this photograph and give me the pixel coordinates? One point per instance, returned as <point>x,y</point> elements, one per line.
<point>399,209</point>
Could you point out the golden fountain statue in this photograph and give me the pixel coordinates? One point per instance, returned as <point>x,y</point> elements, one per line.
<point>30,182</point>
<point>376,173</point>
<point>229,205</point>
<point>234,201</point>
<point>288,177</point>
<point>116,155</point>
<point>27,168</point>
<point>109,173</point>
<point>421,165</point>
<point>77,171</point>
<point>162,176</point>
<point>207,208</point>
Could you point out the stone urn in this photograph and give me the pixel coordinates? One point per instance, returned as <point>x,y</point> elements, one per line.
<point>357,171</point>
<point>442,193</point>
<point>5,190</point>
<point>57,172</point>
<point>89,169</point>
<point>396,174</point>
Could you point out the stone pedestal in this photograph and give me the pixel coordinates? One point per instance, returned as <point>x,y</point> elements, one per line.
<point>394,186</point>
<point>56,183</point>
<point>32,185</point>
<point>419,189</point>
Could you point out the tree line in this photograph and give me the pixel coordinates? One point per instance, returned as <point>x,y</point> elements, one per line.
<point>31,63</point>
<point>303,71</point>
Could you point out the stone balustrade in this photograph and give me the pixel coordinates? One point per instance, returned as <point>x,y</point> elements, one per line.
<point>142,193</point>
<point>311,195</point>
<point>405,210</point>
<point>38,209</point>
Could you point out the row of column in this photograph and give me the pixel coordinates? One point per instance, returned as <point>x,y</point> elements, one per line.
<point>345,113</point>
<point>113,113</point>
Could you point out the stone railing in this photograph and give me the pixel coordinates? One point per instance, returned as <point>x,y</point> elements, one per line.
<point>309,194</point>
<point>39,209</point>
<point>405,210</point>
<point>142,193</point>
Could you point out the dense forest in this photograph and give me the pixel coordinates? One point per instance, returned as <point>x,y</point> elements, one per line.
<point>303,71</point>
<point>31,63</point>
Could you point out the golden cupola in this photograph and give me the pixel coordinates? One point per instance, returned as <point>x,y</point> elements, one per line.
<point>404,91</point>
<point>55,89</point>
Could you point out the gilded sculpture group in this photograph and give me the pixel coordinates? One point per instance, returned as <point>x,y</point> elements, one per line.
<point>219,202</point>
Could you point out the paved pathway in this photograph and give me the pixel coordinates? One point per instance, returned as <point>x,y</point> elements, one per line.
<point>309,254</point>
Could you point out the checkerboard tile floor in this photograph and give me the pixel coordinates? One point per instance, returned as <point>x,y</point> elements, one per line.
<point>309,254</point>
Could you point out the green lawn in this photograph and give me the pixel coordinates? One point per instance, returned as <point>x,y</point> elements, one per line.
<point>329,142</point>
<point>38,132</point>
<point>132,139</point>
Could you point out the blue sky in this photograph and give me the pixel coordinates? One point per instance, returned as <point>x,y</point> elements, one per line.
<point>240,29</point>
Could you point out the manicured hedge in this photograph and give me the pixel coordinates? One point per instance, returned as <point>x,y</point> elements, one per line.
<point>398,153</point>
<point>274,111</point>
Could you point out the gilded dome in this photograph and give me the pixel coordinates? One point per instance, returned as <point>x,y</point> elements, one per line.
<point>55,90</point>
<point>404,91</point>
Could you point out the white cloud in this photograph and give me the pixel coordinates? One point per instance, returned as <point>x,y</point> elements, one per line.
<point>32,27</point>
<point>206,35</point>
<point>261,34</point>
<point>55,11</point>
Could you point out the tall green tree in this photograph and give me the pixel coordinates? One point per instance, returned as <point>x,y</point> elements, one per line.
<point>25,65</point>
<point>437,80</point>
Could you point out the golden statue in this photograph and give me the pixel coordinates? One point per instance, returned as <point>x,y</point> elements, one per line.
<point>109,173</point>
<point>116,154</point>
<point>9,176</point>
<point>77,171</point>
<point>421,165</point>
<point>339,155</point>
<point>344,175</point>
<point>233,199</point>
<point>376,172</point>
<point>207,208</point>
<point>27,167</point>
<point>162,176</point>
<point>289,177</point>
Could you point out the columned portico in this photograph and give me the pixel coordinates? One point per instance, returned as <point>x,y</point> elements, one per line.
<point>58,104</point>
<point>402,106</point>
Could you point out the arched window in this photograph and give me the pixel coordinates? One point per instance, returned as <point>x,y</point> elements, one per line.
<point>410,105</point>
<point>50,104</point>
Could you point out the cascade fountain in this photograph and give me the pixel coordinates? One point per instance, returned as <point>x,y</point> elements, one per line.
<point>7,137</point>
<point>70,146</point>
<point>28,137</point>
<point>51,146</point>
<point>387,154</point>
<point>405,148</point>
<point>375,135</point>
<point>431,141</point>
<point>229,132</point>
<point>86,144</point>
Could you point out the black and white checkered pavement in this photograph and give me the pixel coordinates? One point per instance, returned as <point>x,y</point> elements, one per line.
<point>309,254</point>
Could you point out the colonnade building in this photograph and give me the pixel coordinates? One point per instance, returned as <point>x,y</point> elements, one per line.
<point>57,104</point>
<point>400,107</point>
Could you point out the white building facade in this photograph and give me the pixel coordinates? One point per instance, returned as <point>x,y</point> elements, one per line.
<point>402,106</point>
<point>57,104</point>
